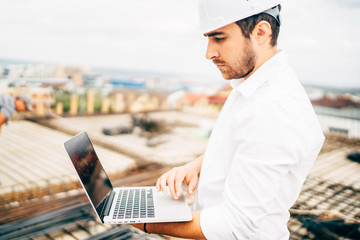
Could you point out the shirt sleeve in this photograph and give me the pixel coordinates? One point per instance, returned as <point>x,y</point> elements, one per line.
<point>265,177</point>
<point>7,105</point>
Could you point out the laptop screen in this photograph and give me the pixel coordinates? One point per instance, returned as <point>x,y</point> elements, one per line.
<point>89,169</point>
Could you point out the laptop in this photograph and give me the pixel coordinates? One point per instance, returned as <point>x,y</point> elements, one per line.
<point>121,205</point>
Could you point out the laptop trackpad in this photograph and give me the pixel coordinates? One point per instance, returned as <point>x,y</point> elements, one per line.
<point>171,210</point>
<point>168,200</point>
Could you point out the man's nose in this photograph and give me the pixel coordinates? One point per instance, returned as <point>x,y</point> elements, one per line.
<point>211,51</point>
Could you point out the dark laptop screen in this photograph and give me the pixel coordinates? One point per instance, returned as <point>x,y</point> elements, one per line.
<point>89,169</point>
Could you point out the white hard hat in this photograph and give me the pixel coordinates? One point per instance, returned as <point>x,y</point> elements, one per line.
<point>215,14</point>
<point>27,100</point>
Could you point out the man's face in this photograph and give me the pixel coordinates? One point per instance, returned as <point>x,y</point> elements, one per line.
<point>232,53</point>
<point>20,105</point>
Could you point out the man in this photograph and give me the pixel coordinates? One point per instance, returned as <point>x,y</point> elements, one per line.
<point>265,139</point>
<point>8,104</point>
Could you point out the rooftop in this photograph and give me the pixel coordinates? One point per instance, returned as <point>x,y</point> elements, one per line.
<point>37,177</point>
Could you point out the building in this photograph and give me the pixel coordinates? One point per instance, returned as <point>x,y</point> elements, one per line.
<point>339,114</point>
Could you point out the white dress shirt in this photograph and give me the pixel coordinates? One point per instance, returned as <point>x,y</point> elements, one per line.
<point>261,149</point>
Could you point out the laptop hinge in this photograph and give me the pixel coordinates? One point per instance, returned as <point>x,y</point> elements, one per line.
<point>107,204</point>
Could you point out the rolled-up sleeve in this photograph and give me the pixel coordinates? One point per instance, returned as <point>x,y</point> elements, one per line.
<point>251,202</point>
<point>264,179</point>
<point>214,225</point>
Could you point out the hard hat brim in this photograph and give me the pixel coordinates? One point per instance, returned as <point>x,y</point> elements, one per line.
<point>210,21</point>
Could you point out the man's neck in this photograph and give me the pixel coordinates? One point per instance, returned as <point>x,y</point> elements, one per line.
<point>262,57</point>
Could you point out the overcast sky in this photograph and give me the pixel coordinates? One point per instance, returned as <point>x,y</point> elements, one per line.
<point>321,38</point>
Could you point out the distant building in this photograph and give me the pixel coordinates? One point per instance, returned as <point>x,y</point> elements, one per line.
<point>339,114</point>
<point>126,84</point>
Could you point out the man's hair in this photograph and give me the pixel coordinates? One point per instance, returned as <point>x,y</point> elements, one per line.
<point>247,25</point>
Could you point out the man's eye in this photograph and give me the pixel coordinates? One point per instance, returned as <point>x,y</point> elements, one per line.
<point>219,39</point>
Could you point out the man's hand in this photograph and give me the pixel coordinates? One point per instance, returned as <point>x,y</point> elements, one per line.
<point>174,178</point>
<point>2,119</point>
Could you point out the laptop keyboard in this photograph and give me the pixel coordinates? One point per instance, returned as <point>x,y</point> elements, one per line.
<point>134,203</point>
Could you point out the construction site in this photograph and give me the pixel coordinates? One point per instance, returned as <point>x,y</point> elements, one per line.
<point>42,198</point>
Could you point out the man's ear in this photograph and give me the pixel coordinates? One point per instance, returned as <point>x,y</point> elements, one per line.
<point>262,33</point>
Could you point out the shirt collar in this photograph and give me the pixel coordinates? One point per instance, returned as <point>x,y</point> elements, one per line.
<point>247,87</point>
